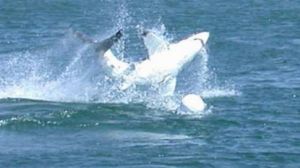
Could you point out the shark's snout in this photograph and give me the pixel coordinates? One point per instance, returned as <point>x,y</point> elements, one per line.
<point>203,37</point>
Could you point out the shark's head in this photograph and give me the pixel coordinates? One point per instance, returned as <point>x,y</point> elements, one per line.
<point>192,44</point>
<point>196,41</point>
<point>203,36</point>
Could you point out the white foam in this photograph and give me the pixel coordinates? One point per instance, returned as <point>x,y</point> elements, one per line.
<point>3,123</point>
<point>193,102</point>
<point>219,92</point>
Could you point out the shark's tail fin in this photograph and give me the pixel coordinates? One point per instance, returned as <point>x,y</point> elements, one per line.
<point>100,46</point>
<point>104,45</point>
<point>83,37</point>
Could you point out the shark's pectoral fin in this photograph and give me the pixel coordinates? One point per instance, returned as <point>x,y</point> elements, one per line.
<point>117,66</point>
<point>168,86</point>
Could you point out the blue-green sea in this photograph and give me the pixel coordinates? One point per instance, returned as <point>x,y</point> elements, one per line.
<point>60,109</point>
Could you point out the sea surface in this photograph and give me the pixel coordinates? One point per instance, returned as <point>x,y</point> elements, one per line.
<point>60,109</point>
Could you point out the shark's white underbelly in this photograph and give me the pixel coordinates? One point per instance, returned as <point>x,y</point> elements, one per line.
<point>161,67</point>
<point>165,64</point>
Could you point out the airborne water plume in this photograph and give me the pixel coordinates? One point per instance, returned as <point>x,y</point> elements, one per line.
<point>69,72</point>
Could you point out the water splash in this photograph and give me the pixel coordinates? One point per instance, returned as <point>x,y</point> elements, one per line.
<point>68,72</point>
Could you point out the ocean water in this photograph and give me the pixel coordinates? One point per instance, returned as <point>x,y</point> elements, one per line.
<point>59,109</point>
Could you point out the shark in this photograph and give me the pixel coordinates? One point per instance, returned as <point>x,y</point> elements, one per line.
<point>164,61</point>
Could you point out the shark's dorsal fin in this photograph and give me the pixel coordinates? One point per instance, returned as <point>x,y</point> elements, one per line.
<point>154,43</point>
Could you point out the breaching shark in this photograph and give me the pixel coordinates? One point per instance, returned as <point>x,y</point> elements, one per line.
<point>165,60</point>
